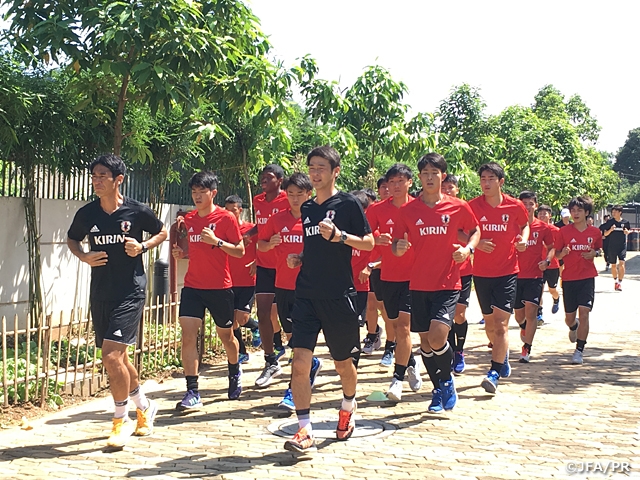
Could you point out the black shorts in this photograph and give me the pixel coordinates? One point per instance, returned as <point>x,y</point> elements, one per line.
<point>551,276</point>
<point>465,292</point>
<point>615,253</point>
<point>117,321</point>
<point>578,293</point>
<point>496,292</point>
<point>243,298</point>
<point>265,280</point>
<point>285,300</point>
<point>437,306</point>
<point>605,249</point>
<point>396,298</point>
<point>194,302</point>
<point>336,318</point>
<point>374,283</point>
<point>361,305</point>
<point>528,290</point>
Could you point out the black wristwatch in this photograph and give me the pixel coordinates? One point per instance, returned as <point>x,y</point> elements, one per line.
<point>471,250</point>
<point>343,237</point>
<point>219,244</point>
<point>145,249</point>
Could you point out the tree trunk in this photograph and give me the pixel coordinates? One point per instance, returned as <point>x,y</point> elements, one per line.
<point>117,129</point>
<point>33,244</point>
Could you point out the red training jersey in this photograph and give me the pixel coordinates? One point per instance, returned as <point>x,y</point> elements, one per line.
<point>432,232</point>
<point>383,217</point>
<point>239,271</point>
<point>540,236</point>
<point>501,224</point>
<point>209,266</point>
<point>263,211</point>
<point>359,260</point>
<point>290,229</point>
<point>575,266</point>
<point>555,231</point>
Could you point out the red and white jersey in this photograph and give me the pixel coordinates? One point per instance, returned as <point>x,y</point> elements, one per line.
<point>239,271</point>
<point>359,260</point>
<point>432,233</point>
<point>263,211</point>
<point>290,229</point>
<point>540,236</point>
<point>208,265</point>
<point>501,225</point>
<point>383,217</point>
<point>575,266</point>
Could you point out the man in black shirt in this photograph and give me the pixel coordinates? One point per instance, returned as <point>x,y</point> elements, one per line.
<point>605,242</point>
<point>333,224</point>
<point>565,218</point>
<point>114,225</point>
<point>615,231</point>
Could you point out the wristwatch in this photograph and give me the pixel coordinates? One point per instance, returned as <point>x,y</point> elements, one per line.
<point>145,249</point>
<point>220,243</point>
<point>371,265</point>
<point>471,250</point>
<point>343,237</point>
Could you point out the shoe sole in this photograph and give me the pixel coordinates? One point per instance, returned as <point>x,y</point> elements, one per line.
<point>153,419</point>
<point>268,382</point>
<point>488,386</point>
<point>435,411</point>
<point>284,406</point>
<point>182,408</point>
<point>347,436</point>
<point>523,360</point>
<point>393,398</point>
<point>291,447</point>
<point>235,397</point>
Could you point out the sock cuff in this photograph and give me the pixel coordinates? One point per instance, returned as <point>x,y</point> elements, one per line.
<point>135,391</point>
<point>426,354</point>
<point>303,413</point>
<point>121,403</point>
<point>349,397</point>
<point>442,350</point>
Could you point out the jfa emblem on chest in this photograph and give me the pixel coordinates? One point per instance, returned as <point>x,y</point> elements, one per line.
<point>125,226</point>
<point>446,219</point>
<point>330,215</point>
<point>535,234</point>
<point>212,226</point>
<point>274,211</point>
<point>589,240</point>
<point>505,218</point>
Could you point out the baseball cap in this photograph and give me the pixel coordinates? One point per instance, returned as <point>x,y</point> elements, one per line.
<point>565,213</point>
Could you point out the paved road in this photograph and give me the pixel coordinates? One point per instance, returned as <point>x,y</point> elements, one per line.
<point>548,414</point>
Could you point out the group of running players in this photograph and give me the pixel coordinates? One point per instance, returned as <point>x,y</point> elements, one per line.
<point>332,263</point>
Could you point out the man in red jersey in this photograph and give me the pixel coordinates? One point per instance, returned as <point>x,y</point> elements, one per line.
<point>578,244</point>
<point>504,224</point>
<point>243,277</point>
<point>551,275</point>
<point>213,235</point>
<point>394,278</point>
<point>432,223</point>
<point>283,234</point>
<point>360,269</point>
<point>532,263</point>
<point>269,202</point>
<point>458,332</point>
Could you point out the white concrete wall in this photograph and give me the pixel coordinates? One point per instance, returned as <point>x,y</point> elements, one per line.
<point>65,280</point>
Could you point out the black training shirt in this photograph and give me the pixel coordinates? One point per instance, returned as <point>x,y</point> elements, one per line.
<point>123,276</point>
<point>326,266</point>
<point>617,238</point>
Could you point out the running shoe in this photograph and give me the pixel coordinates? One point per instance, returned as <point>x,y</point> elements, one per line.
<point>618,287</point>
<point>269,372</point>
<point>371,346</point>
<point>145,419</point>
<point>190,401</point>
<point>525,355</point>
<point>120,432</point>
<point>287,401</point>
<point>316,366</point>
<point>489,345</point>
<point>301,442</point>
<point>436,401</point>
<point>556,306</point>
<point>395,390</point>
<point>506,367</point>
<point>387,358</point>
<point>577,358</point>
<point>256,341</point>
<point>573,334</point>
<point>346,424</point>
<point>449,395</point>
<point>540,320</point>
<point>362,321</point>
<point>458,362</point>
<point>490,382</point>
<point>243,358</point>
<point>279,352</point>
<point>235,386</point>
<point>414,378</point>
<point>481,322</point>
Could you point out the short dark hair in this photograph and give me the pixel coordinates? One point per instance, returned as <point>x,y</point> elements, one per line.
<point>399,170</point>
<point>451,179</point>
<point>362,197</point>
<point>584,202</point>
<point>233,199</point>
<point>589,217</point>
<point>298,179</point>
<point>328,153</point>
<point>606,217</point>
<point>525,194</point>
<point>492,167</point>
<point>381,180</point>
<point>545,208</point>
<point>275,169</point>
<point>206,180</point>
<point>435,160</point>
<point>113,162</point>
<point>620,208</point>
<point>371,194</point>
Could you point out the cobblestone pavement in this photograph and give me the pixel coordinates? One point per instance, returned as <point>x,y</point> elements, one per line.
<point>548,414</point>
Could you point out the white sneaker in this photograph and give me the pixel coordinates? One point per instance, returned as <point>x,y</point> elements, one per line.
<point>573,334</point>
<point>413,377</point>
<point>577,358</point>
<point>395,391</point>
<point>268,373</point>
